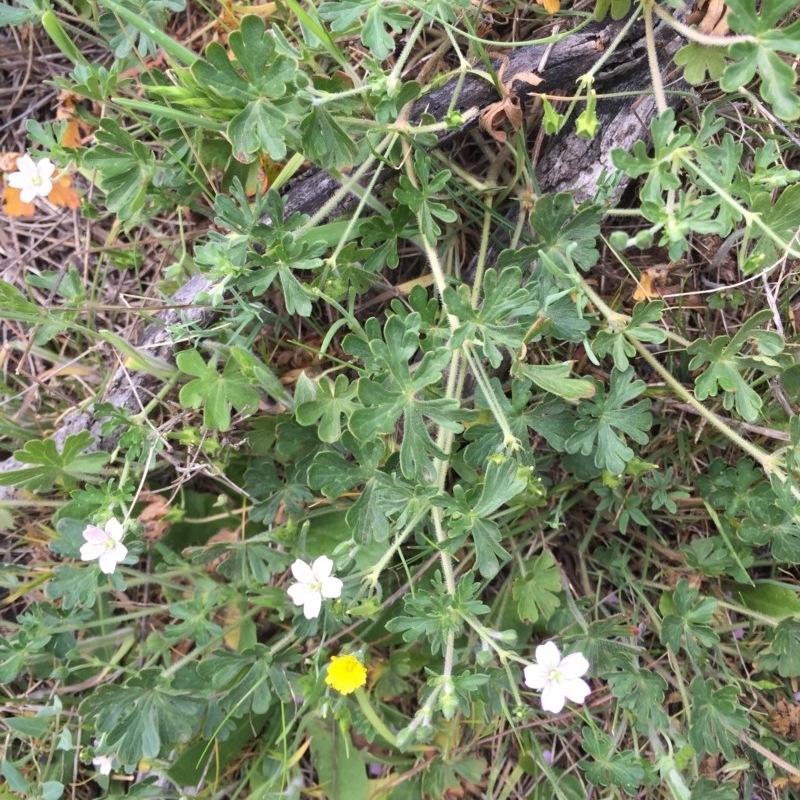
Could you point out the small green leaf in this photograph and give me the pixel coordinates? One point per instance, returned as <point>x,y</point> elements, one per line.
<point>700,60</point>
<point>768,597</point>
<point>144,718</point>
<point>717,718</point>
<point>216,392</point>
<point>610,766</point>
<point>554,378</point>
<point>258,128</point>
<point>51,466</point>
<point>537,594</point>
<point>325,141</point>
<point>607,420</point>
<point>332,401</point>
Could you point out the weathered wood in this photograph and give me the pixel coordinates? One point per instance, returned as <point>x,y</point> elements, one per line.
<point>567,163</point>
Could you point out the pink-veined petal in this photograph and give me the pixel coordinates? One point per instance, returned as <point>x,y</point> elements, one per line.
<point>552,698</point>
<point>322,568</point>
<point>576,690</point>
<point>536,676</point>
<point>548,655</point>
<point>94,534</point>
<point>573,666</point>
<point>302,572</point>
<point>332,588</point>
<point>313,605</point>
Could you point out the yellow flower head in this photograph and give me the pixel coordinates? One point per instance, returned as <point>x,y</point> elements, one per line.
<point>346,674</point>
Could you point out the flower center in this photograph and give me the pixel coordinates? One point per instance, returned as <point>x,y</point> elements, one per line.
<point>554,676</point>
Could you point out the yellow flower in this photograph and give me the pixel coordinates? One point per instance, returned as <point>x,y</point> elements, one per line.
<point>346,674</point>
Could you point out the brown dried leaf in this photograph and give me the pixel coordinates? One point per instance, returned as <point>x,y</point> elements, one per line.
<point>153,516</point>
<point>509,109</point>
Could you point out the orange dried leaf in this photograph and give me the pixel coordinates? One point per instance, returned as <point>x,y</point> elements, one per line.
<point>63,194</point>
<point>551,6</point>
<point>72,134</point>
<point>13,205</point>
<point>647,285</point>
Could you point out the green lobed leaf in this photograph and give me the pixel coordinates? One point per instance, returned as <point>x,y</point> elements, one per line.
<point>536,595</point>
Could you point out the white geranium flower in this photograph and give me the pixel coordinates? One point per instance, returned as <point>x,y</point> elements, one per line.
<point>313,583</point>
<point>104,545</point>
<point>104,764</point>
<point>558,679</point>
<point>32,178</point>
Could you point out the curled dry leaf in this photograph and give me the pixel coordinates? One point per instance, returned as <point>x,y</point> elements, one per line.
<point>713,19</point>
<point>509,109</point>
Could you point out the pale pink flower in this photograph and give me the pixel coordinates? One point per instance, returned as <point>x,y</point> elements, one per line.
<point>313,583</point>
<point>104,545</point>
<point>32,178</point>
<point>558,679</point>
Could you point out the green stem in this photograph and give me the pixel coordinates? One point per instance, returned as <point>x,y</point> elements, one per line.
<point>652,58</point>
<point>697,36</point>
<point>348,185</point>
<point>374,720</point>
<point>749,217</point>
<point>767,461</point>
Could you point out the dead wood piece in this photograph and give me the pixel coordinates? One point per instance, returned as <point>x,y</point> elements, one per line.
<point>568,163</point>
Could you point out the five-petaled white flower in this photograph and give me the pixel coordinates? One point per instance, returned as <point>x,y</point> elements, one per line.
<point>33,178</point>
<point>104,545</point>
<point>104,764</point>
<point>559,679</point>
<point>313,583</point>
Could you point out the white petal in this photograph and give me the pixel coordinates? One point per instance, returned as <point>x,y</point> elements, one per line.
<point>536,676</point>
<point>552,698</point>
<point>45,168</point>
<point>312,605</point>
<point>322,568</point>
<point>27,165</point>
<point>107,562</point>
<point>332,588</point>
<point>18,180</point>
<point>547,655</point>
<point>114,530</point>
<point>28,194</point>
<point>576,690</point>
<point>299,593</point>
<point>573,666</point>
<point>92,550</point>
<point>302,572</point>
